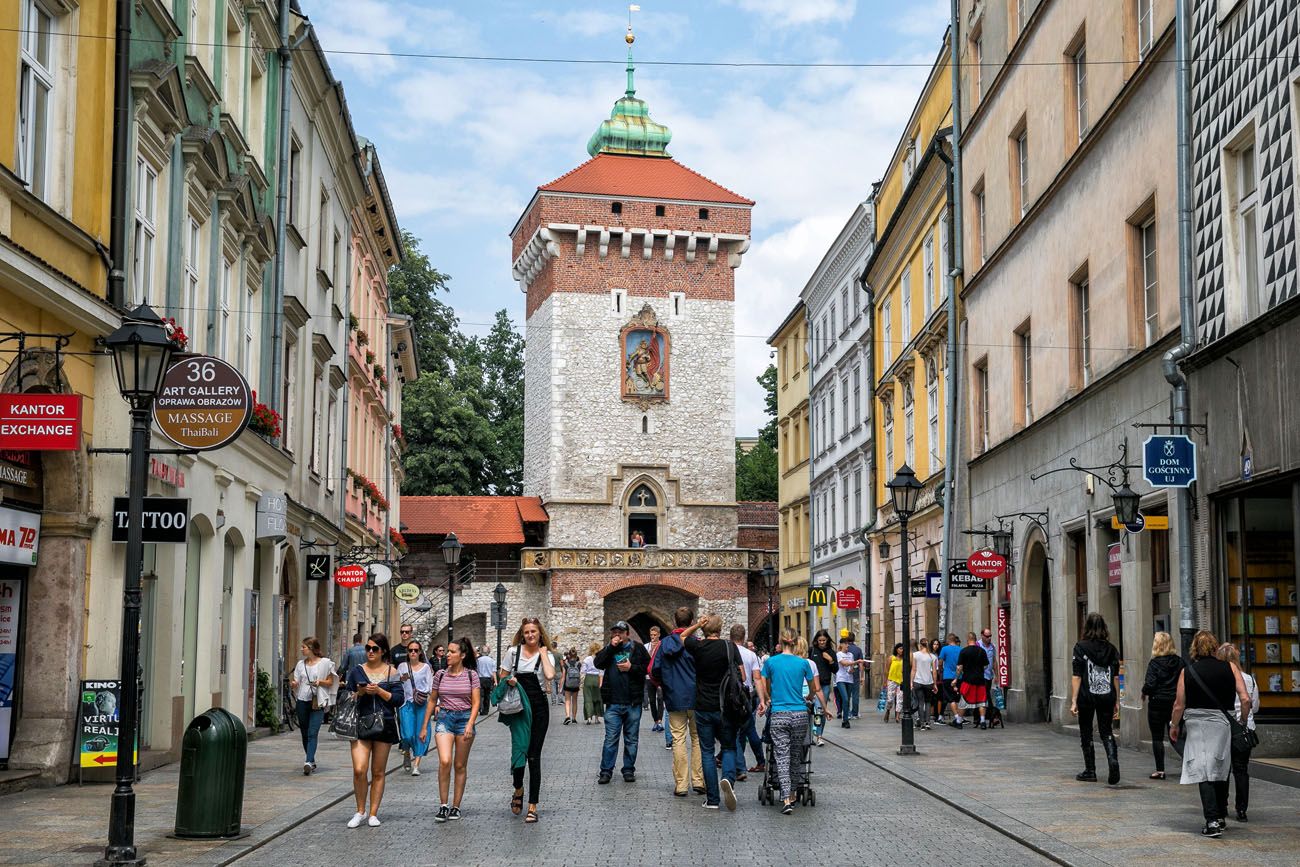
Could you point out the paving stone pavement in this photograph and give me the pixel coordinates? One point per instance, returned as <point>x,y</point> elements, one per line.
<point>863,816</point>
<point>1021,779</point>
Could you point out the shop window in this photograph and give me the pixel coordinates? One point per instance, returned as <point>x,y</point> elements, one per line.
<point>1158,559</point>
<point>1079,557</point>
<point>1258,557</point>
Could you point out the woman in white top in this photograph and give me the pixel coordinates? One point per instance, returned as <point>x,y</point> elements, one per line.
<point>312,678</point>
<point>844,667</point>
<point>1241,758</point>
<point>593,709</point>
<point>528,666</point>
<point>417,681</point>
<point>923,685</point>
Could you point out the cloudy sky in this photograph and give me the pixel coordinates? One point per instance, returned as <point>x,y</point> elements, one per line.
<point>465,143</point>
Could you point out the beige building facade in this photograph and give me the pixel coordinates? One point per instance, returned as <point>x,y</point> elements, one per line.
<point>794,445</point>
<point>1070,246</point>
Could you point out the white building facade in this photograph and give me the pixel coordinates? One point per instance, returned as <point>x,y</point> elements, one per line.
<point>840,401</point>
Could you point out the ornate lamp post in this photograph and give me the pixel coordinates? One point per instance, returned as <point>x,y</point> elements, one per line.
<point>142,351</point>
<point>451,556</point>
<point>769,578</point>
<point>905,490</point>
<point>499,596</point>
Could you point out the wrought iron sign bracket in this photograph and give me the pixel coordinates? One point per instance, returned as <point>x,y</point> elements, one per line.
<point>1115,473</point>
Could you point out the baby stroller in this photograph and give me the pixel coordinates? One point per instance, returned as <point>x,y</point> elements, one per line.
<point>769,791</point>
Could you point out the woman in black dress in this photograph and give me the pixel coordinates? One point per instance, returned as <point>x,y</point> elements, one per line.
<point>379,690</point>
<point>529,665</point>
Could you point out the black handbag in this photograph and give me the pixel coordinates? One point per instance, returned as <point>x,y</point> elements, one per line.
<point>372,725</point>
<point>1243,739</point>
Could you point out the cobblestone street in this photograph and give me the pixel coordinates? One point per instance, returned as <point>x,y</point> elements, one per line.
<point>863,816</point>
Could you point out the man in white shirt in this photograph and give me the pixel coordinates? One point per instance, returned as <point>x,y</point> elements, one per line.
<point>748,733</point>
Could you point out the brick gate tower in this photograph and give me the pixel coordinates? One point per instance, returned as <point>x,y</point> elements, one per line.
<point>628,264</point>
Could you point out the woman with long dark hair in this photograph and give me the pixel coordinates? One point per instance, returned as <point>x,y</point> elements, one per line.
<point>822,654</point>
<point>1095,684</point>
<point>455,691</point>
<point>528,666</point>
<point>1205,690</point>
<point>1240,754</point>
<point>572,671</point>
<point>379,691</point>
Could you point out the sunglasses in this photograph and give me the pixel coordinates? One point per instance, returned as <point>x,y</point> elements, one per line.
<point>370,648</point>
<point>406,632</point>
<point>532,621</point>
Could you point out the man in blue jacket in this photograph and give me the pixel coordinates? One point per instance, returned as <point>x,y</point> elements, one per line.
<point>675,670</point>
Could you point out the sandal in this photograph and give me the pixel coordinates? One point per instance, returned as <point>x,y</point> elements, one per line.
<point>517,803</point>
<point>531,818</point>
<point>1158,775</point>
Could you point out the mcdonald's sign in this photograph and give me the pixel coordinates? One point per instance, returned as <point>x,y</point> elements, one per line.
<point>817,596</point>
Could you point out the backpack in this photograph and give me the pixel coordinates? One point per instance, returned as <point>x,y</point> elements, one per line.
<point>572,675</point>
<point>733,700</point>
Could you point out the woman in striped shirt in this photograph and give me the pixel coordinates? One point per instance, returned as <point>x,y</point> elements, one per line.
<point>457,696</point>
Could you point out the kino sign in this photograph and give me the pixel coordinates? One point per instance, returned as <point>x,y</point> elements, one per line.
<point>204,403</point>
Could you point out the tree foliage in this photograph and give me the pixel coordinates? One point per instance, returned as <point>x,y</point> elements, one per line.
<point>767,379</point>
<point>756,473</point>
<point>463,417</point>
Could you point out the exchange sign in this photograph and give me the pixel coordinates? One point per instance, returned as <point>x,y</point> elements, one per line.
<point>204,403</point>
<point>40,422</point>
<point>848,599</point>
<point>986,563</point>
<point>350,576</point>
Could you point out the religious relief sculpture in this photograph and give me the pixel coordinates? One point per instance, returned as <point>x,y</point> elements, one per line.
<point>644,349</point>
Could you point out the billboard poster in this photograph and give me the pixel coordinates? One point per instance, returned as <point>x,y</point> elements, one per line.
<point>97,723</point>
<point>10,605</point>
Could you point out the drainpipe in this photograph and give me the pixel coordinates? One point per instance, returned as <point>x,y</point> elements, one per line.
<point>1187,315</point>
<point>285,52</point>
<point>117,229</point>
<point>953,383</point>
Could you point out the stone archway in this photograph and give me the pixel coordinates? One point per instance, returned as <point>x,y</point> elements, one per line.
<point>1035,634</point>
<point>651,605</point>
<point>55,590</point>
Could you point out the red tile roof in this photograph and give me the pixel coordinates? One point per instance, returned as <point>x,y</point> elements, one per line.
<point>474,520</point>
<point>645,177</point>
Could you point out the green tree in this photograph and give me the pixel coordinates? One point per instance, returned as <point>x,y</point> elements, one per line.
<point>449,441</point>
<point>413,287</point>
<point>756,473</point>
<point>767,379</point>
<point>501,360</point>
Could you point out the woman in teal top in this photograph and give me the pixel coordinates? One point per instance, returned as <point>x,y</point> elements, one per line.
<point>781,690</point>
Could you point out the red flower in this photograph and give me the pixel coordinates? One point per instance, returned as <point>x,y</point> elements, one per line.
<point>265,421</point>
<point>176,333</point>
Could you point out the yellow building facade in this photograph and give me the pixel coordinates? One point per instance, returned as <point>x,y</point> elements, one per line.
<point>56,103</point>
<point>793,447</point>
<point>907,278</point>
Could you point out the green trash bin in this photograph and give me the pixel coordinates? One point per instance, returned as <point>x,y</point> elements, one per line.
<point>210,796</point>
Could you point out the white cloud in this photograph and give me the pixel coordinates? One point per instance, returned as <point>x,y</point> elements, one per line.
<point>795,13</point>
<point>361,36</point>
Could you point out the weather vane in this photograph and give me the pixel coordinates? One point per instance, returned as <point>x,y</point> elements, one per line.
<point>631,7</point>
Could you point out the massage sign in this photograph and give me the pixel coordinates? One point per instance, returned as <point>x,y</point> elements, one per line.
<point>204,403</point>
<point>40,422</point>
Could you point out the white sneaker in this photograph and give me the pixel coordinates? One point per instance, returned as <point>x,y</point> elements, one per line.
<point>728,794</point>
<point>356,820</point>
<point>415,771</point>
<point>373,821</point>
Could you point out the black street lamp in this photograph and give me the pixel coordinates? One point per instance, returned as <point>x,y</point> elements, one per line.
<point>451,556</point>
<point>769,578</point>
<point>499,596</point>
<point>905,490</point>
<point>1002,541</point>
<point>142,350</point>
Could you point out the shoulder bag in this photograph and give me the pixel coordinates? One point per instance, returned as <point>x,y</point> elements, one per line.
<point>733,701</point>
<point>344,724</point>
<point>371,725</point>
<point>511,702</point>
<point>419,696</point>
<point>1243,739</point>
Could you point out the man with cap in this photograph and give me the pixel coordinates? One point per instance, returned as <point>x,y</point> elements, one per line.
<point>625,663</point>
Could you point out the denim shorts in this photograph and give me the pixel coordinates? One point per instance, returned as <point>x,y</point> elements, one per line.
<point>451,722</point>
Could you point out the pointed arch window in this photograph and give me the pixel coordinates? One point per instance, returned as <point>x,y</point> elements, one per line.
<point>644,509</point>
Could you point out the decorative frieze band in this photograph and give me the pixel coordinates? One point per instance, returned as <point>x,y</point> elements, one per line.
<point>544,559</point>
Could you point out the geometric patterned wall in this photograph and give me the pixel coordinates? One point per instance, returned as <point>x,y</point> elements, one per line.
<point>1245,65</point>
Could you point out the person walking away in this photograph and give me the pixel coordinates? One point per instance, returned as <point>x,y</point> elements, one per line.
<point>313,675</point>
<point>674,667</point>
<point>972,662</point>
<point>859,670</point>
<point>486,667</point>
<point>351,658</point>
<point>894,684</point>
<point>592,709</point>
<point>528,665</point>
<point>557,684</point>
<point>457,694</point>
<point>714,656</point>
<point>1241,754</point>
<point>653,697</point>
<point>781,690</point>
<point>1095,692</point>
<point>1205,690</point>
<point>845,666</point>
<point>413,715</point>
<point>571,668</point>
<point>624,662</point>
<point>922,686</point>
<point>749,733</point>
<point>1158,691</point>
<point>379,694</point>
